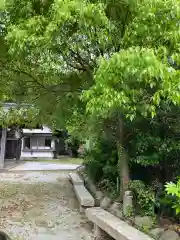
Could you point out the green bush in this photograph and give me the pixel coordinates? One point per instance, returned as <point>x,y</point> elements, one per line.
<point>163,203</point>
<point>94,169</point>
<point>109,188</point>
<point>148,200</point>
<point>101,162</point>
<point>144,198</point>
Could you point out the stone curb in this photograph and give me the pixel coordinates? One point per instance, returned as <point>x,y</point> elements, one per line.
<point>85,199</point>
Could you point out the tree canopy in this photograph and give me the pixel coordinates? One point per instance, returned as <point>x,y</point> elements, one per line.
<point>59,49</point>
<point>86,63</point>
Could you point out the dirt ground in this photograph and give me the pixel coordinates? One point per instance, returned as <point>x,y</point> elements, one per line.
<point>41,206</point>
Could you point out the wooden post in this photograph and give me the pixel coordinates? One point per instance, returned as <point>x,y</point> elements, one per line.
<point>3,147</point>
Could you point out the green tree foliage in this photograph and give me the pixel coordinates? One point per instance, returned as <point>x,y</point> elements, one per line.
<point>132,81</point>
<point>139,78</point>
<point>25,116</point>
<point>53,47</point>
<point>86,63</point>
<point>173,189</point>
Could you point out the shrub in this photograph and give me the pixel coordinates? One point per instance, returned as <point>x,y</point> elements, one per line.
<point>94,169</point>
<point>101,162</point>
<point>163,202</point>
<point>173,189</point>
<point>144,198</point>
<point>109,188</point>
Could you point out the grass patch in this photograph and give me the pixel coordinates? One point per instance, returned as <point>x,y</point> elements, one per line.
<point>59,160</point>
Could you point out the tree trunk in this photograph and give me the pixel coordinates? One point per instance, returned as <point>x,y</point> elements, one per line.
<point>123,166</point>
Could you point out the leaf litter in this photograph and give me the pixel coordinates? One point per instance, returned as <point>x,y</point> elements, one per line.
<point>34,209</point>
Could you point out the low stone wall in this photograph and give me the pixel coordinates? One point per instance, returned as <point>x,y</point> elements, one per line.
<point>144,223</point>
<point>75,179</point>
<point>84,197</point>
<point>107,224</point>
<point>98,195</point>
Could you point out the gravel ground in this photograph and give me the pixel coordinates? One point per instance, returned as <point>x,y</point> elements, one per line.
<point>41,206</point>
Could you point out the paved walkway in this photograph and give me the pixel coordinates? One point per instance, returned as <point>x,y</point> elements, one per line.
<point>41,206</point>
<point>43,166</point>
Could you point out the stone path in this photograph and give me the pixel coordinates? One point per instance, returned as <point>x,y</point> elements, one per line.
<point>43,166</point>
<point>40,206</point>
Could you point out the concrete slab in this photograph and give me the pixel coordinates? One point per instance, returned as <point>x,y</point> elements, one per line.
<point>84,197</point>
<point>42,166</point>
<point>113,226</point>
<point>76,180</point>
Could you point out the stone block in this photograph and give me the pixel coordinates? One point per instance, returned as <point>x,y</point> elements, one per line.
<point>146,221</point>
<point>113,226</point>
<point>75,178</point>
<point>157,232</point>
<point>169,235</point>
<point>127,203</point>
<point>84,197</point>
<point>98,197</point>
<point>116,209</point>
<point>81,168</point>
<point>105,203</point>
